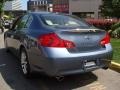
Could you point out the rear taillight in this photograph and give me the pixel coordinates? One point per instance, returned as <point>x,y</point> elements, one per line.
<point>52,40</point>
<point>105,40</point>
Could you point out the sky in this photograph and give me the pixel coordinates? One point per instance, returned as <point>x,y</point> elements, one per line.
<point>24,4</point>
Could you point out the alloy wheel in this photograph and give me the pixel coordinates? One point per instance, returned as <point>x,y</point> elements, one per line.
<point>24,62</point>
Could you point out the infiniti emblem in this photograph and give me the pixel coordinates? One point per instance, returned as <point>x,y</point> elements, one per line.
<point>87,37</point>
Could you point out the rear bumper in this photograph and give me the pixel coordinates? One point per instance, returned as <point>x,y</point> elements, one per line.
<point>64,53</point>
<point>58,61</point>
<point>68,66</point>
<point>75,65</point>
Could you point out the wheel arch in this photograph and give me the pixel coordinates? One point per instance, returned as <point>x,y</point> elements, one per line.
<point>22,47</point>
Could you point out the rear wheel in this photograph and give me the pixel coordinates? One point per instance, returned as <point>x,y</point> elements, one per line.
<point>25,67</point>
<point>105,68</point>
<point>6,47</point>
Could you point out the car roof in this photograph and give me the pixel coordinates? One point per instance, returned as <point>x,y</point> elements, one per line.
<point>40,12</point>
<point>44,12</point>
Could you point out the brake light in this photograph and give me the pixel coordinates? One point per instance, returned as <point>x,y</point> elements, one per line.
<point>52,40</point>
<point>105,40</point>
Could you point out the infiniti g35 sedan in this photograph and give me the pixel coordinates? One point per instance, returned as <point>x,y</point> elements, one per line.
<point>57,44</point>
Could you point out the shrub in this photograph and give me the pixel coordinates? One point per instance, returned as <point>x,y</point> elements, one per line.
<point>115,30</point>
<point>102,23</point>
<point>116,33</point>
<point>115,26</point>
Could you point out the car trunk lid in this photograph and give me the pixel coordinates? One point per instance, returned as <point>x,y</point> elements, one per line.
<point>85,40</point>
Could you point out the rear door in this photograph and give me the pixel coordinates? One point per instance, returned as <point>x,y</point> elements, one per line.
<point>19,33</point>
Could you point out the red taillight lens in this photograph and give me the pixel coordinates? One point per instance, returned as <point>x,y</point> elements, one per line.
<point>105,40</point>
<point>52,40</point>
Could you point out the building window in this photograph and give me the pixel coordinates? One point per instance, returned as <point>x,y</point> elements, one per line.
<point>39,2</point>
<point>84,14</point>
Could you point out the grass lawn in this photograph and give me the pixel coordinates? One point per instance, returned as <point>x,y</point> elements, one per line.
<point>116,49</point>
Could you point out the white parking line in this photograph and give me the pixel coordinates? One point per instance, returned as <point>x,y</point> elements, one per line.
<point>96,86</point>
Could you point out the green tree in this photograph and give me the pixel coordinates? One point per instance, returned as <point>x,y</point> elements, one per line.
<point>106,8</point>
<point>111,8</point>
<point>116,8</point>
<point>2,5</point>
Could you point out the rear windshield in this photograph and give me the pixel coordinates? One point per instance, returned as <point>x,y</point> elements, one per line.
<point>63,20</point>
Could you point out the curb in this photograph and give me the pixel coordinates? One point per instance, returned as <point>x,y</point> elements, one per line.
<point>115,66</point>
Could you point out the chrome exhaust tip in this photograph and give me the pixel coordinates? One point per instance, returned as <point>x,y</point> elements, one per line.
<point>60,78</point>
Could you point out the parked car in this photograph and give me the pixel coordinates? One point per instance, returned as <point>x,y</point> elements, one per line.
<point>57,44</point>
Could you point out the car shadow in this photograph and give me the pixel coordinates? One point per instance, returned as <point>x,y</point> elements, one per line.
<point>12,77</point>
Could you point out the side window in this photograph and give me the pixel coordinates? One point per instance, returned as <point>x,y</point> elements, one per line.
<point>15,23</point>
<point>22,22</point>
<point>29,21</point>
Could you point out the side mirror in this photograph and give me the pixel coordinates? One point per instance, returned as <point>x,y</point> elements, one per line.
<point>1,30</point>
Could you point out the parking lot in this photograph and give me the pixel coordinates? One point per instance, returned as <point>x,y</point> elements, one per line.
<point>12,79</point>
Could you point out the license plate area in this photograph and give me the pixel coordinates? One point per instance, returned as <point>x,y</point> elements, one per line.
<point>89,63</point>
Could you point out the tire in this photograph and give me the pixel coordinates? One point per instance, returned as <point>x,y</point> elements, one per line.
<point>105,68</point>
<point>6,47</point>
<point>25,66</point>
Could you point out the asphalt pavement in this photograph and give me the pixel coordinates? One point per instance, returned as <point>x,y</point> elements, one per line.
<point>12,79</point>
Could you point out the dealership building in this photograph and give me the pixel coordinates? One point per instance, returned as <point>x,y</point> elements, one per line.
<point>81,8</point>
<point>61,6</point>
<point>13,5</point>
<point>39,5</point>
<point>85,8</point>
